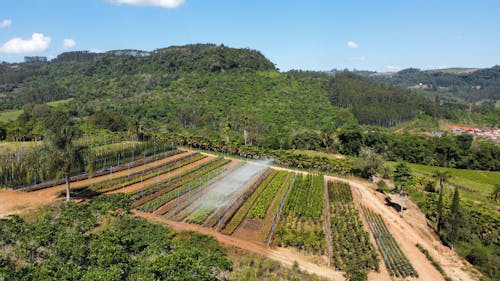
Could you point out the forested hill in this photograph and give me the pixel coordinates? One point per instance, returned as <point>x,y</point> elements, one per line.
<point>38,81</point>
<point>469,85</point>
<point>377,104</point>
<point>208,90</point>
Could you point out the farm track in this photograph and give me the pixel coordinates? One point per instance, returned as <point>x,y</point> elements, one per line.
<point>137,186</point>
<point>407,237</point>
<point>15,202</point>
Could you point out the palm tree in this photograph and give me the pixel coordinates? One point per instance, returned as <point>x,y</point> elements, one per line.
<point>442,177</point>
<point>65,154</point>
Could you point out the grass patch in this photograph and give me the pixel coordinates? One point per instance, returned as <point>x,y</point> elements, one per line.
<point>474,184</point>
<point>12,115</point>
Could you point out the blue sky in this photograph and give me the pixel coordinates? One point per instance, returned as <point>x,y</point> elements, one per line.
<point>384,35</point>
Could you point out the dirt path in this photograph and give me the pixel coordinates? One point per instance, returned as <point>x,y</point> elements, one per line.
<point>15,202</point>
<point>409,229</point>
<point>285,256</point>
<point>137,186</point>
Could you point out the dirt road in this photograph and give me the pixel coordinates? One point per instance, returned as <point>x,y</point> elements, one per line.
<point>285,256</point>
<point>15,202</point>
<point>409,229</point>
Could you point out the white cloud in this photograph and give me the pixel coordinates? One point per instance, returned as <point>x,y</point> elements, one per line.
<point>69,43</point>
<point>393,67</point>
<point>169,4</point>
<point>37,43</point>
<point>352,45</point>
<point>97,51</point>
<point>5,23</point>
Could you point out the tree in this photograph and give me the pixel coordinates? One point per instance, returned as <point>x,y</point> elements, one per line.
<point>3,133</point>
<point>495,194</point>
<point>402,176</point>
<point>368,163</point>
<point>351,140</point>
<point>64,153</point>
<point>455,217</point>
<point>441,177</point>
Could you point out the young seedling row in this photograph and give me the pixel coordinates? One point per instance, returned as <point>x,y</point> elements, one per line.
<point>395,260</point>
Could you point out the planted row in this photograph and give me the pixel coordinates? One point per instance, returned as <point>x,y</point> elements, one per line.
<point>148,173</point>
<point>244,210</point>
<point>395,260</point>
<point>351,249</point>
<point>189,182</point>
<point>302,224</point>
<point>259,209</point>
<point>154,190</point>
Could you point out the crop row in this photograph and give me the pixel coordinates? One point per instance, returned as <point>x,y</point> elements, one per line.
<point>186,184</point>
<point>185,206</point>
<point>395,260</point>
<point>302,225</point>
<point>261,205</point>
<point>272,219</point>
<point>243,211</point>
<point>306,197</point>
<point>351,250</point>
<point>148,173</point>
<point>154,190</point>
<point>224,194</point>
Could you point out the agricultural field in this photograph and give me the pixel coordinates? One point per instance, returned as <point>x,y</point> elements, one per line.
<point>302,224</point>
<point>351,249</point>
<point>248,200</point>
<point>394,259</point>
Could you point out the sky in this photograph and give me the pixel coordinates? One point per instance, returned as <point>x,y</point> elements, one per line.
<point>380,35</point>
